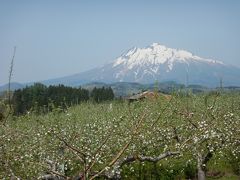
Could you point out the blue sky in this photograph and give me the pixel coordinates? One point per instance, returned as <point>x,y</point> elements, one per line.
<point>55,38</point>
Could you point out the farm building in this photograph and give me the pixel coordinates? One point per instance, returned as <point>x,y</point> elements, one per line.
<point>147,95</point>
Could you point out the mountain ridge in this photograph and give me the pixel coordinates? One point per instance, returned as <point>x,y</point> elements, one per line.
<point>160,54</point>
<point>149,61</point>
<point>157,63</point>
<point>160,63</point>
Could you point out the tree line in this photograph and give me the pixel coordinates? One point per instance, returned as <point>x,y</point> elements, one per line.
<point>42,98</point>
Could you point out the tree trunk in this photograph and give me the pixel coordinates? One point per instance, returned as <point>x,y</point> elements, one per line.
<point>200,168</point>
<point>201,174</point>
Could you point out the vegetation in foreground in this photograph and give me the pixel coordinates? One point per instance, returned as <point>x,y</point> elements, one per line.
<point>187,137</point>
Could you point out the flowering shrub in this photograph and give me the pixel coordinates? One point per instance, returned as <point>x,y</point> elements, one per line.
<point>116,140</point>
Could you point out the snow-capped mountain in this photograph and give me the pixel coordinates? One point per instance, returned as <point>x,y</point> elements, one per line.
<point>158,62</point>
<point>157,54</point>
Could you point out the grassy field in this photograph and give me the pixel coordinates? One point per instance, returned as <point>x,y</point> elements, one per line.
<point>151,139</point>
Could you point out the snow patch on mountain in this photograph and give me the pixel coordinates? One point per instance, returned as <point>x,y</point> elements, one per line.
<point>157,54</point>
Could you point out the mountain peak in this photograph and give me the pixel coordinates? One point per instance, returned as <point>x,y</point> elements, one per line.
<point>157,45</point>
<point>157,54</point>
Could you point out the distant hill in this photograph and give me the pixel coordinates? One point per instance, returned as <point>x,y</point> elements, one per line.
<point>119,88</point>
<point>13,85</point>
<point>129,88</point>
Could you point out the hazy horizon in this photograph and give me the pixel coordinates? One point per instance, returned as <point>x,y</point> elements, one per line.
<point>59,38</point>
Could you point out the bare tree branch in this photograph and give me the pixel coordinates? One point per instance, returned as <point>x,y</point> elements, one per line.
<point>129,159</point>
<point>10,76</point>
<point>9,86</point>
<point>72,148</point>
<point>114,160</point>
<point>140,158</point>
<point>98,151</point>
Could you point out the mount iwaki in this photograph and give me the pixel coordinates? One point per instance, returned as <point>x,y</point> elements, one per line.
<point>158,63</point>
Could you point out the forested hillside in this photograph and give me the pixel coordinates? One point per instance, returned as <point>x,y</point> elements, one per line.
<point>41,98</point>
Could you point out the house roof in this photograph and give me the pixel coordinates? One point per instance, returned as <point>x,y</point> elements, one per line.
<point>148,95</point>
<point>145,94</point>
